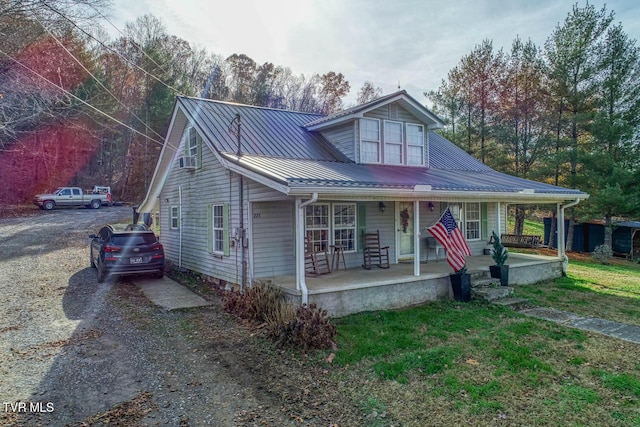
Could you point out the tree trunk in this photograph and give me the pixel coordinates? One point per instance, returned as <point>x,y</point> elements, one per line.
<point>608,232</point>
<point>552,231</point>
<point>519,225</point>
<point>569,243</point>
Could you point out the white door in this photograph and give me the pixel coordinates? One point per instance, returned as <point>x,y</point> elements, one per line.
<point>404,227</point>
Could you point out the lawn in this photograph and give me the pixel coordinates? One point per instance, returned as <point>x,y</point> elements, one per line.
<point>450,363</point>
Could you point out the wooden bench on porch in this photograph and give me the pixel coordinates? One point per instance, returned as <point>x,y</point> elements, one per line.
<point>520,240</point>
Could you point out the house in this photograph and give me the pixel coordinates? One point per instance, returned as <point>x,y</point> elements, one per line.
<point>237,188</point>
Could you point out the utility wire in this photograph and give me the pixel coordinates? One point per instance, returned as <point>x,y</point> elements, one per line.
<point>79,99</point>
<point>126,60</point>
<point>97,80</point>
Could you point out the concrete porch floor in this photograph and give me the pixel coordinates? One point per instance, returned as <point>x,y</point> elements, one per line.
<point>358,277</point>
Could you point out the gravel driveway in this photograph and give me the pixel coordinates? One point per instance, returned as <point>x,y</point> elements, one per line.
<point>73,352</point>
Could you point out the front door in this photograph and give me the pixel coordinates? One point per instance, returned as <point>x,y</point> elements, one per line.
<point>404,227</point>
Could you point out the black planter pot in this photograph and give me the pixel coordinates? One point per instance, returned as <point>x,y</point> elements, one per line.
<point>461,285</point>
<point>500,272</point>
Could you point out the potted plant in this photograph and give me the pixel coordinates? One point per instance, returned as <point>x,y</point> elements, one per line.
<point>499,254</point>
<point>461,285</point>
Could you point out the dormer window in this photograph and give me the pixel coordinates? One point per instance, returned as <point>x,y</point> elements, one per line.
<point>397,143</point>
<point>370,140</point>
<point>393,152</point>
<point>415,145</point>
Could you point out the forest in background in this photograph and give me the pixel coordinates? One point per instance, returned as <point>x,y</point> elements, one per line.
<point>80,107</point>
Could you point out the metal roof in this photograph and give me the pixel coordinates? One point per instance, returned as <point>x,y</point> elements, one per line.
<point>401,96</point>
<point>276,145</point>
<point>302,173</point>
<point>264,131</point>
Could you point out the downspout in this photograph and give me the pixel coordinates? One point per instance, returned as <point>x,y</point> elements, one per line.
<point>180,226</point>
<point>561,241</point>
<point>301,283</point>
<point>241,233</point>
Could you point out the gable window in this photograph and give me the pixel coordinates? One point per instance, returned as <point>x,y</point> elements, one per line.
<point>174,217</point>
<point>344,225</point>
<point>370,141</point>
<point>393,143</point>
<point>415,145</point>
<point>192,142</point>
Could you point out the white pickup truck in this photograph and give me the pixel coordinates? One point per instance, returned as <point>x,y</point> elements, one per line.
<point>74,197</point>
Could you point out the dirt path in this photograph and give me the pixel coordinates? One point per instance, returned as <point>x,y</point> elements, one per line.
<point>73,351</point>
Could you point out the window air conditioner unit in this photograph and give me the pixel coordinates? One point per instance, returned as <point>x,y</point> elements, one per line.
<point>188,162</point>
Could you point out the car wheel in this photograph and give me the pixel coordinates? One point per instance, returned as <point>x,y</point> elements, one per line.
<point>95,204</point>
<point>48,205</point>
<point>101,274</point>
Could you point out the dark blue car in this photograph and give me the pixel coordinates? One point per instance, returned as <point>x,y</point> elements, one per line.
<point>123,249</point>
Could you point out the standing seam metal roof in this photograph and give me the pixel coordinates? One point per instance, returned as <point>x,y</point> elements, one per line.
<point>264,131</point>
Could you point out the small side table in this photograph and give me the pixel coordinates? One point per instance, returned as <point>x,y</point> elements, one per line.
<point>337,253</point>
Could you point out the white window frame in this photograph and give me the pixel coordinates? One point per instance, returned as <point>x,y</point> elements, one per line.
<point>460,212</point>
<point>340,226</point>
<point>174,220</point>
<point>192,142</point>
<point>217,228</point>
<point>318,232</point>
<point>389,140</point>
<point>469,210</point>
<point>366,139</point>
<point>411,143</point>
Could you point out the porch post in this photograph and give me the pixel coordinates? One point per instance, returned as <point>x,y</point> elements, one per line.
<point>560,231</point>
<point>416,238</point>
<point>499,219</point>
<point>301,284</point>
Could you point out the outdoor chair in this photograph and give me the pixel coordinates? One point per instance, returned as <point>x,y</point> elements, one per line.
<point>373,252</point>
<point>316,262</point>
<point>435,246</point>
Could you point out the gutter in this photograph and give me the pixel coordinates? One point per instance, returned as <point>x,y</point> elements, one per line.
<point>561,241</point>
<point>300,273</point>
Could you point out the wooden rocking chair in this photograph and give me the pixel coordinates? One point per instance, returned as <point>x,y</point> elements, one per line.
<point>315,262</point>
<point>372,251</point>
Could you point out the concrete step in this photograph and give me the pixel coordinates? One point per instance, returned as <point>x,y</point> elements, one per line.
<point>491,293</point>
<point>513,302</point>
<point>485,283</point>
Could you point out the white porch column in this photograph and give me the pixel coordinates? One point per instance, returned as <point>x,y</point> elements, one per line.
<point>299,245</point>
<point>560,238</point>
<point>416,238</point>
<point>301,283</point>
<point>499,219</point>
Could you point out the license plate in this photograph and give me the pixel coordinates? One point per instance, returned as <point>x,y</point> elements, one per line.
<point>135,260</point>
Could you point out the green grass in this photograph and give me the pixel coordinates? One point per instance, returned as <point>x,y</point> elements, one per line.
<point>530,227</point>
<point>447,363</point>
<point>610,292</point>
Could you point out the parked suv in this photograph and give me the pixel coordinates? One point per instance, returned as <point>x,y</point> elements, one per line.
<point>124,249</point>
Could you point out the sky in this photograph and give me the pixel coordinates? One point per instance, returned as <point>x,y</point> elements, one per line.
<point>407,43</point>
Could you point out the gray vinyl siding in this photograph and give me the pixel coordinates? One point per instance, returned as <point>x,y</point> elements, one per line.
<point>343,137</point>
<point>212,184</point>
<point>273,243</point>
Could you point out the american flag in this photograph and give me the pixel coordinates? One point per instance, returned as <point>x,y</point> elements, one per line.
<point>446,232</point>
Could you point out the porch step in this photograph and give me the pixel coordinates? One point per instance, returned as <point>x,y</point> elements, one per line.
<point>513,302</point>
<point>491,294</point>
<point>485,283</point>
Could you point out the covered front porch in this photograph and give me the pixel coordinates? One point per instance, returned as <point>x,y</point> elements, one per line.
<point>352,290</point>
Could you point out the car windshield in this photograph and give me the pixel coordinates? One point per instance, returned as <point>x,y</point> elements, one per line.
<point>133,239</point>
